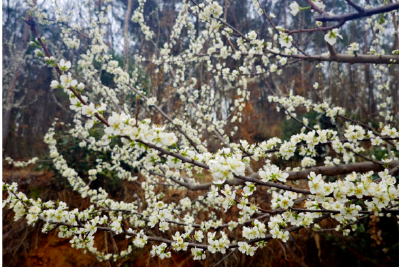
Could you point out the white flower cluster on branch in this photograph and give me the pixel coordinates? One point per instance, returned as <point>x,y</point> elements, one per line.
<point>175,153</point>
<point>21,164</point>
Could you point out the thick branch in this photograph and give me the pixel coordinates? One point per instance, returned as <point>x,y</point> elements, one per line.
<point>338,211</point>
<point>341,169</point>
<point>357,15</point>
<point>345,58</point>
<point>341,58</point>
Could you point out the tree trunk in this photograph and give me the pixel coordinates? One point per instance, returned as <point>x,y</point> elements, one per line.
<point>11,93</point>
<point>126,28</point>
<point>7,108</point>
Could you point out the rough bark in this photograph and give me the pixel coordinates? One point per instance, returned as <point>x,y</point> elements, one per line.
<point>126,28</point>
<point>10,95</point>
<point>339,169</point>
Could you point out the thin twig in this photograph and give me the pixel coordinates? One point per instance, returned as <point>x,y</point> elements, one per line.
<point>230,253</point>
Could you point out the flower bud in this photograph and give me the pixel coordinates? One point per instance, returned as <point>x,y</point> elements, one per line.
<point>81,86</point>
<point>54,84</point>
<point>92,172</point>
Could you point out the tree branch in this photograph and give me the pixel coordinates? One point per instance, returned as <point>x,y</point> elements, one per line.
<point>178,127</point>
<point>341,58</point>
<point>355,6</point>
<point>340,24</point>
<point>315,7</point>
<point>31,23</point>
<point>357,15</point>
<point>340,169</point>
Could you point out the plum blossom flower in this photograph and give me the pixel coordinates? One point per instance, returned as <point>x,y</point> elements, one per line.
<point>273,173</point>
<point>252,35</point>
<point>151,101</point>
<point>331,36</point>
<point>198,254</point>
<point>295,8</point>
<point>273,68</point>
<point>89,110</point>
<point>54,84</point>
<point>76,103</point>
<point>168,139</point>
<point>38,53</point>
<point>67,81</point>
<point>316,183</point>
<point>64,65</point>
<point>285,40</point>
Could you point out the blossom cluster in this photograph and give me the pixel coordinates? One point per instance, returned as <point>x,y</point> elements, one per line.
<point>176,153</point>
<point>21,164</point>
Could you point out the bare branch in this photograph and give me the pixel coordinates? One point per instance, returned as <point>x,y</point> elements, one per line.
<point>340,24</point>
<point>355,6</point>
<point>357,15</point>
